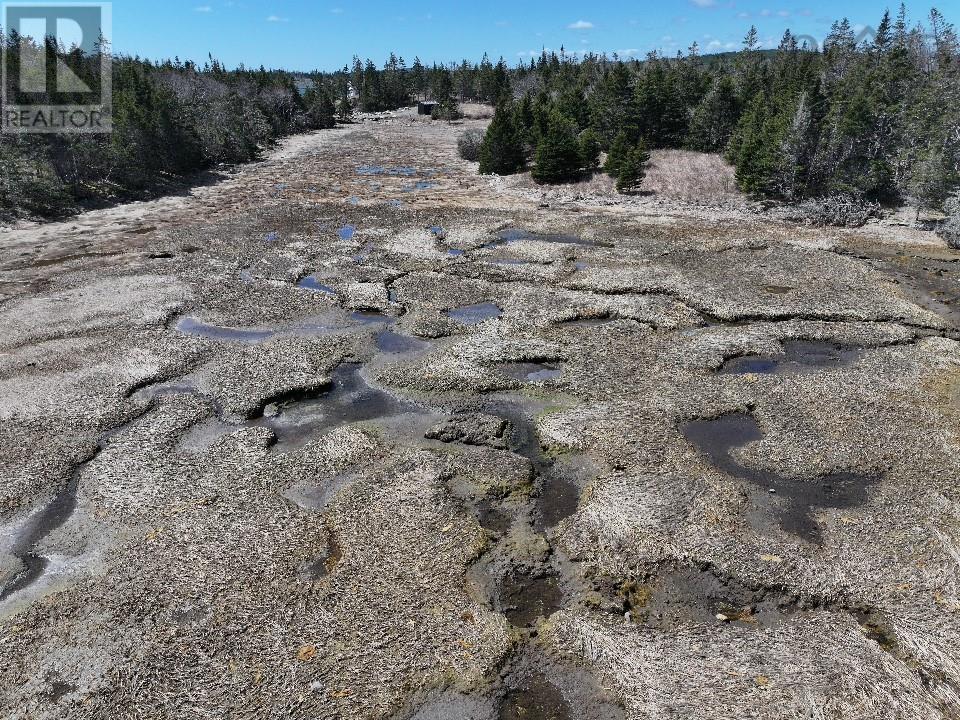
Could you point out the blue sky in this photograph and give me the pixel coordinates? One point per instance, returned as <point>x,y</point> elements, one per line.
<point>325,34</point>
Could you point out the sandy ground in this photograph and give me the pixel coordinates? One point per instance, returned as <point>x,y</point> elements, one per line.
<point>356,433</point>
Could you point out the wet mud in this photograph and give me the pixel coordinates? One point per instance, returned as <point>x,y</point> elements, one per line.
<point>799,356</point>
<point>790,500</point>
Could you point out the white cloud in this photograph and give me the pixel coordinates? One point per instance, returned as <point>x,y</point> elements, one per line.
<point>629,52</point>
<point>203,9</point>
<point>277,19</point>
<point>337,10</point>
<point>743,14</point>
<point>704,3</point>
<point>716,45</point>
<point>783,13</point>
<point>580,25</point>
<point>534,53</point>
<point>765,13</point>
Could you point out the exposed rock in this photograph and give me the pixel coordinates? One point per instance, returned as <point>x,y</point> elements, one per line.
<point>471,429</point>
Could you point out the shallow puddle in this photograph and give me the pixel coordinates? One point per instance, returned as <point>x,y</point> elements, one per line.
<point>255,336</point>
<point>474,314</point>
<point>36,528</point>
<point>371,317</point>
<point>374,170</point>
<point>799,356</point>
<point>718,437</point>
<point>349,399</point>
<point>530,372</point>
<point>191,326</point>
<point>311,283</point>
<point>513,235</point>
<point>248,336</point>
<point>347,232</point>
<point>422,185</point>
<point>394,343</point>
<point>314,496</point>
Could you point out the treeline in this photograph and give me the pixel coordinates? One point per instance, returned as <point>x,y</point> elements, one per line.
<point>397,85</point>
<point>170,119</point>
<point>872,121</point>
<point>876,120</point>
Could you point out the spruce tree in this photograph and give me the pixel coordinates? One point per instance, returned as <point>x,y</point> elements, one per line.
<point>558,153</point>
<point>633,169</point>
<point>715,118</point>
<point>752,148</point>
<point>501,152</point>
<point>617,154</point>
<point>590,150</point>
<point>320,109</point>
<point>524,121</point>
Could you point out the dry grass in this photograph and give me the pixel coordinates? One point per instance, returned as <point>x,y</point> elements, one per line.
<point>692,176</point>
<point>477,111</point>
<point>696,178</point>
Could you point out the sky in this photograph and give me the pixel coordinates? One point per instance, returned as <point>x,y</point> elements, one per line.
<point>326,34</point>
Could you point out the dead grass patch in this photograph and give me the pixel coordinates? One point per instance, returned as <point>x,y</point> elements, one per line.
<point>696,178</point>
<point>477,111</point>
<point>691,176</point>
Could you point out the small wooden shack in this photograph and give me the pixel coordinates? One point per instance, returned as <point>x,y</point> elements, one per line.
<point>426,107</point>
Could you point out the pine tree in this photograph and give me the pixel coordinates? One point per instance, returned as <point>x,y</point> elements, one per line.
<point>501,152</point>
<point>633,170</point>
<point>558,153</point>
